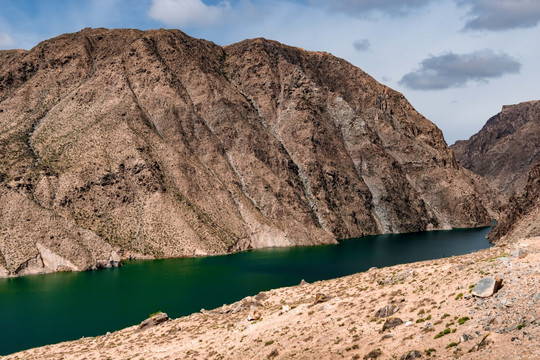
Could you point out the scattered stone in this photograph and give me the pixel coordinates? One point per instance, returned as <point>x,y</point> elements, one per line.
<point>387,311</point>
<point>520,253</point>
<point>415,354</point>
<point>255,315</point>
<point>387,336</point>
<point>392,323</point>
<point>397,278</point>
<point>154,320</point>
<point>482,344</point>
<point>487,287</point>
<point>261,296</point>
<point>319,298</point>
<point>273,354</point>
<point>465,337</point>
<point>373,354</point>
<point>284,309</point>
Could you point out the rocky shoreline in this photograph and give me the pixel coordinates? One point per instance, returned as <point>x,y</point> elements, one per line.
<point>427,309</point>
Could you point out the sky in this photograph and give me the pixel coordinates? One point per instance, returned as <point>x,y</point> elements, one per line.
<point>456,61</point>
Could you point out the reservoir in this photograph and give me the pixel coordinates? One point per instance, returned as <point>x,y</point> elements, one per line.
<point>45,309</point>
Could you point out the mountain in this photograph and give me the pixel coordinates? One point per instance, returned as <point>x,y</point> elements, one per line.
<point>128,143</point>
<point>521,218</point>
<point>506,148</point>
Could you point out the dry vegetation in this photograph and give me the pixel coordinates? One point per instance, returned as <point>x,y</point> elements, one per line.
<point>337,319</point>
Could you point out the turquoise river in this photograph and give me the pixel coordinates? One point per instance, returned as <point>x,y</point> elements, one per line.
<point>44,309</point>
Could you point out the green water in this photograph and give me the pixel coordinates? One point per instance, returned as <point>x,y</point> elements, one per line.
<point>45,309</point>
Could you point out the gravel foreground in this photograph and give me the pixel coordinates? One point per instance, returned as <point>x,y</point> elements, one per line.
<point>420,310</point>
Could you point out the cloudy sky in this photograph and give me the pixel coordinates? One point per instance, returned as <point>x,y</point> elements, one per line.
<point>457,61</point>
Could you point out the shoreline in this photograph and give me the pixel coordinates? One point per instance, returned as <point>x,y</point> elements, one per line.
<point>293,325</point>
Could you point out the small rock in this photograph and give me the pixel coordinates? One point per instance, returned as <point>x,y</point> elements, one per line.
<point>415,354</point>
<point>319,298</point>
<point>303,282</point>
<point>255,315</point>
<point>520,253</point>
<point>261,296</point>
<point>465,337</point>
<point>536,297</point>
<point>373,354</point>
<point>372,268</point>
<point>392,323</point>
<point>408,323</point>
<point>487,287</point>
<point>154,320</point>
<point>387,311</point>
<point>387,336</point>
<point>285,308</point>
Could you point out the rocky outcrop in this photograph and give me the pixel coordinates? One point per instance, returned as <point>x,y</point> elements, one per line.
<point>506,148</point>
<point>521,217</point>
<point>157,144</point>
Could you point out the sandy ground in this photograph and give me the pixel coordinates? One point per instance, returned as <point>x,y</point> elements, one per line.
<point>336,319</point>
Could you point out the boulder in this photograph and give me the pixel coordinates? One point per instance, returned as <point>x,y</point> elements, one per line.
<point>319,298</point>
<point>487,287</point>
<point>392,323</point>
<point>154,320</point>
<point>255,315</point>
<point>387,311</point>
<point>373,354</point>
<point>415,354</point>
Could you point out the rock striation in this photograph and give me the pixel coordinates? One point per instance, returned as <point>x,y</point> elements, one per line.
<point>521,217</point>
<point>128,143</point>
<point>506,148</point>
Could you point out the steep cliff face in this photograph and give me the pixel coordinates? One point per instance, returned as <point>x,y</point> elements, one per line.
<point>506,148</point>
<point>521,217</point>
<point>131,143</point>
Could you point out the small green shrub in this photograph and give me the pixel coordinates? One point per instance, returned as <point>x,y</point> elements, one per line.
<point>452,344</point>
<point>442,333</point>
<point>458,296</point>
<point>463,320</point>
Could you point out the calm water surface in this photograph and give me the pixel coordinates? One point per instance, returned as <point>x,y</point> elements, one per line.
<point>45,309</point>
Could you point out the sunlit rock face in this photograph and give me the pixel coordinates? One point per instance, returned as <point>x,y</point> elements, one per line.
<point>124,143</point>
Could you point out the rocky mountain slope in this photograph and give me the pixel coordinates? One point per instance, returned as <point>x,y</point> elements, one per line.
<point>119,143</point>
<point>422,310</point>
<point>521,217</point>
<point>506,148</point>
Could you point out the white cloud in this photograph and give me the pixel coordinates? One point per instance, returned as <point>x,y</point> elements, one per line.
<point>6,41</point>
<point>188,13</point>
